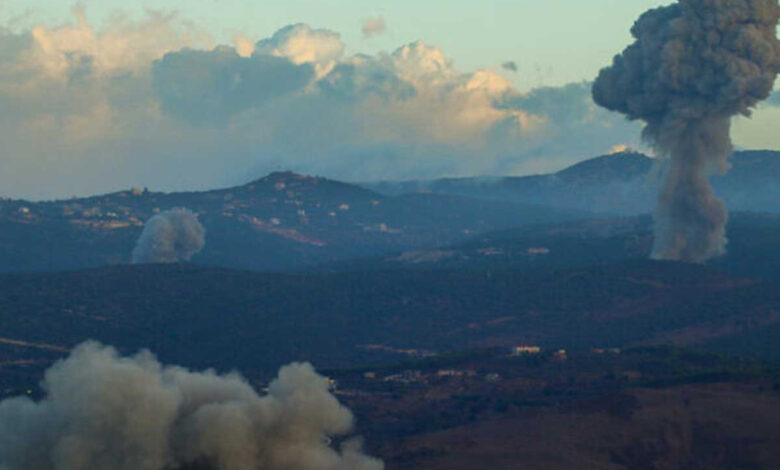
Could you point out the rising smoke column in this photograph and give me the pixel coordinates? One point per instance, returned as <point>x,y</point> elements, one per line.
<point>107,412</point>
<point>170,237</point>
<point>693,66</point>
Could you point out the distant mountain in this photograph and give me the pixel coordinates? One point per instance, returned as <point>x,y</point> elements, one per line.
<point>622,183</point>
<point>753,183</point>
<point>280,222</point>
<point>204,317</point>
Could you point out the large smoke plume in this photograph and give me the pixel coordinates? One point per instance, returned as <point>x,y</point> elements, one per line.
<point>170,237</point>
<point>107,412</point>
<point>693,66</point>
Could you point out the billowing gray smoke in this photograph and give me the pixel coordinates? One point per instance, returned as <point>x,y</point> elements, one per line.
<point>106,412</point>
<point>169,237</point>
<point>693,66</point>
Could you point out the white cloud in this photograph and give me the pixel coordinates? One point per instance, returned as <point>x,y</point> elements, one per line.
<point>211,86</point>
<point>121,45</point>
<point>154,104</point>
<point>301,44</point>
<point>423,65</point>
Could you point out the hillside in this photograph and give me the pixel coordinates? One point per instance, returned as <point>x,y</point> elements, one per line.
<point>630,409</point>
<point>752,249</point>
<point>254,322</point>
<point>280,222</point>
<point>622,183</point>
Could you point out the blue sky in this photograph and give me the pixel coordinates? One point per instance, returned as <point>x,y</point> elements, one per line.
<point>553,42</point>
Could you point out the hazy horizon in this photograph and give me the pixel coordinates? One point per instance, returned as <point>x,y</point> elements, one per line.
<point>105,96</point>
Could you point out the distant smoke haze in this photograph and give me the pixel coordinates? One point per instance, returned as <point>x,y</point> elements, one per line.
<point>694,65</point>
<point>103,411</point>
<point>171,236</point>
<point>374,27</point>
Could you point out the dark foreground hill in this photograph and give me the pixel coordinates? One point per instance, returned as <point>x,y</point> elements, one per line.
<point>622,183</point>
<point>643,408</point>
<point>255,322</point>
<point>280,222</point>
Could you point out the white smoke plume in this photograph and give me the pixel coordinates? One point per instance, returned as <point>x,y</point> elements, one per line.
<point>694,65</point>
<point>103,411</point>
<point>171,236</point>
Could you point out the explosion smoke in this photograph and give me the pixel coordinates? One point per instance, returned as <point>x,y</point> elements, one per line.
<point>106,412</point>
<point>693,66</point>
<point>170,237</point>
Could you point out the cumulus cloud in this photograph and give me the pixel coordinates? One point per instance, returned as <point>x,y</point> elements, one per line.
<point>301,44</point>
<point>374,27</point>
<point>574,124</point>
<point>121,45</point>
<point>103,411</point>
<point>171,236</point>
<point>212,85</point>
<point>154,104</point>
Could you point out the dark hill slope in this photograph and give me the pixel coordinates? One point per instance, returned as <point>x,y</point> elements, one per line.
<point>255,322</point>
<point>753,248</point>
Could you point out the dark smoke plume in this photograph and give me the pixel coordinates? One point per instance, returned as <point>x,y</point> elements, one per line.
<point>170,237</point>
<point>106,412</point>
<point>693,66</point>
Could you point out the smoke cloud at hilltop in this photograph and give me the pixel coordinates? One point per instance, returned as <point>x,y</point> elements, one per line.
<point>171,236</point>
<point>694,65</point>
<point>106,412</point>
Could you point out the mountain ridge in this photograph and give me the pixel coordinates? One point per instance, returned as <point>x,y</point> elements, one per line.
<point>624,183</point>
<point>282,221</point>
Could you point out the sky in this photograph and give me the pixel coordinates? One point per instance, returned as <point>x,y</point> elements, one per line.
<point>104,95</point>
<point>553,42</point>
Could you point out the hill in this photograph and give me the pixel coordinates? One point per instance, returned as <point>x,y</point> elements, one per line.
<point>752,249</point>
<point>280,222</point>
<point>622,183</point>
<point>205,317</point>
<point>631,409</point>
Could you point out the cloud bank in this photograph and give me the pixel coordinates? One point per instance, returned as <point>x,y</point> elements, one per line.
<point>152,103</point>
<point>103,411</point>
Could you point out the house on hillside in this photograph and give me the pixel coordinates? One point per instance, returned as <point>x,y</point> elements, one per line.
<point>525,350</point>
<point>560,355</point>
